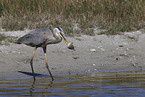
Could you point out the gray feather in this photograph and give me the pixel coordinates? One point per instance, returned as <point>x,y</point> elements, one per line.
<point>36,37</point>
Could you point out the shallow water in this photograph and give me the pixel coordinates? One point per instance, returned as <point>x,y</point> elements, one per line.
<point>108,84</point>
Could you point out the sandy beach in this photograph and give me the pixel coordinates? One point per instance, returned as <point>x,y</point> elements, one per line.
<point>99,53</point>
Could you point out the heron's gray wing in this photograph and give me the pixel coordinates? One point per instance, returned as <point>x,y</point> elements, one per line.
<point>33,39</point>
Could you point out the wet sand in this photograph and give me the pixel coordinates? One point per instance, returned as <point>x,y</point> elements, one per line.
<point>99,53</point>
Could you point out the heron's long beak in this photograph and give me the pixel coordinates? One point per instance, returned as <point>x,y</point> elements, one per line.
<point>64,39</point>
<point>69,44</point>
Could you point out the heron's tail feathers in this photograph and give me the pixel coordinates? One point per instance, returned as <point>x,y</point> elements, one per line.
<point>20,41</point>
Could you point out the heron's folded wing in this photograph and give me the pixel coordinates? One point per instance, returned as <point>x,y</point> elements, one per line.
<point>32,39</point>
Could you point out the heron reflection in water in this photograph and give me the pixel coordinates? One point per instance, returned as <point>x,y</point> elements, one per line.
<point>41,38</point>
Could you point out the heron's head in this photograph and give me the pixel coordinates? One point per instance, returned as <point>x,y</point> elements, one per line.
<point>60,33</point>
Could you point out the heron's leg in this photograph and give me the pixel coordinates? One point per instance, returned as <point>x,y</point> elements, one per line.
<point>31,62</point>
<point>44,49</point>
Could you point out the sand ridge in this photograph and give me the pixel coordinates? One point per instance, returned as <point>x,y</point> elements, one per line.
<point>99,53</point>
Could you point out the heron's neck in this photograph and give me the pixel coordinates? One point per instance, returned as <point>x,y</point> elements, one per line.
<point>57,38</point>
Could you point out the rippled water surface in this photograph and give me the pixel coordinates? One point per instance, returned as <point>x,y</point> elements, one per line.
<point>113,84</point>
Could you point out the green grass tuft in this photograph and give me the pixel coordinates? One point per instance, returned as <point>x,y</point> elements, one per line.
<point>2,37</point>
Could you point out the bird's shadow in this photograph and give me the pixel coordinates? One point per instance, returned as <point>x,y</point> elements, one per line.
<point>40,75</point>
<point>31,74</point>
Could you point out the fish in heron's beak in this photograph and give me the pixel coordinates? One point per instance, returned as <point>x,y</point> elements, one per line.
<point>69,44</point>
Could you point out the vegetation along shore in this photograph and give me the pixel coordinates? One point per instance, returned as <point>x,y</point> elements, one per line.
<point>75,16</point>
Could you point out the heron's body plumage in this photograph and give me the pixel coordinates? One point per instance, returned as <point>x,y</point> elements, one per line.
<point>39,38</point>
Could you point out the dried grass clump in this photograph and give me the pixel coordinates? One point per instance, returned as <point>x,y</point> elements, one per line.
<point>75,16</point>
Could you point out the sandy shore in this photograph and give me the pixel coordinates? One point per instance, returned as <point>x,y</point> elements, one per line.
<point>98,53</point>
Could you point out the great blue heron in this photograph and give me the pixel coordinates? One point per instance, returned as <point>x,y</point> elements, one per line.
<point>41,38</point>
